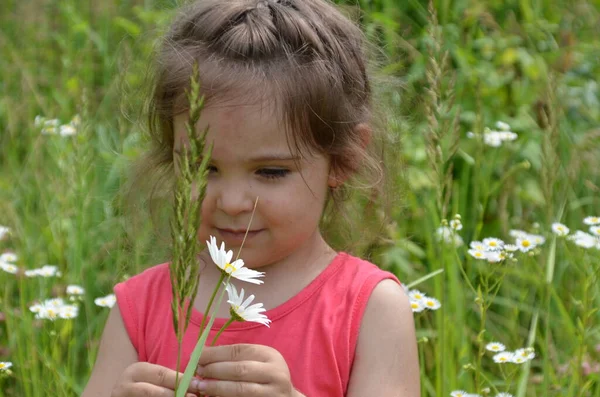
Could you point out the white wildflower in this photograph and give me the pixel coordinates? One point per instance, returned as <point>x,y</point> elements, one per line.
<point>241,310</point>
<point>8,267</point>
<point>516,233</point>
<point>510,247</point>
<point>493,244</point>
<point>477,254</point>
<point>595,230</point>
<point>526,353</point>
<point>525,244</point>
<point>106,301</point>
<point>458,393</point>
<point>67,130</point>
<point>559,229</point>
<point>477,245</point>
<point>9,257</point>
<point>75,290</point>
<point>592,220</point>
<point>503,357</point>
<point>495,256</point>
<point>502,126</point>
<point>456,224</point>
<point>5,365</point>
<point>416,294</point>
<point>417,306</point>
<point>449,236</point>
<point>222,259</point>
<point>583,239</point>
<point>4,232</point>
<point>431,303</point>
<point>495,347</point>
<point>503,394</point>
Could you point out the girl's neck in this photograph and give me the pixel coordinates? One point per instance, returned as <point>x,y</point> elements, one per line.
<point>283,279</point>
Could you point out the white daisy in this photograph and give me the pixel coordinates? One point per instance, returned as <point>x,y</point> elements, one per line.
<point>502,126</point>
<point>537,239</point>
<point>493,244</point>
<point>106,301</point>
<point>448,235</point>
<point>417,306</point>
<point>416,294</point>
<point>67,130</point>
<point>38,121</point>
<point>236,269</point>
<point>477,254</point>
<point>525,244</point>
<point>4,231</point>
<point>9,257</point>
<point>5,365</point>
<point>240,309</point>
<point>503,394</point>
<point>510,248</point>
<point>595,230</point>
<point>583,239</point>
<point>503,357</point>
<point>516,233</point>
<point>592,220</point>
<point>75,290</point>
<point>527,353</point>
<point>431,303</point>
<point>477,245</point>
<point>458,393</point>
<point>559,229</point>
<point>495,256</point>
<point>456,224</point>
<point>495,347</point>
<point>517,360</point>
<point>48,271</point>
<point>68,311</point>
<point>8,267</point>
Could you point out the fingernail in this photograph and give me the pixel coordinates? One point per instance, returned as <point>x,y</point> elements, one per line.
<point>198,384</point>
<point>199,370</point>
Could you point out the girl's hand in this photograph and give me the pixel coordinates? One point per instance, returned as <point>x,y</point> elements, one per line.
<point>243,370</point>
<point>147,380</point>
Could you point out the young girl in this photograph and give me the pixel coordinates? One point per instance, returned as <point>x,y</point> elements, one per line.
<point>288,106</point>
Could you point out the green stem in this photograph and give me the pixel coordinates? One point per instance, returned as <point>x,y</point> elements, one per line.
<point>221,330</point>
<point>196,353</point>
<point>210,302</point>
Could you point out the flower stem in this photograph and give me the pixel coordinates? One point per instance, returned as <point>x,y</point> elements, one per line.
<point>221,330</point>
<point>210,302</point>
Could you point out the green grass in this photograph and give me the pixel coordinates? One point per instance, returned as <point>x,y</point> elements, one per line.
<point>532,64</point>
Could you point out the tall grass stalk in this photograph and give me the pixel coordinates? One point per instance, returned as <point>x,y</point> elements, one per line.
<point>190,189</point>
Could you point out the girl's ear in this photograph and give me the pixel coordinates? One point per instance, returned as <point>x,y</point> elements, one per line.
<point>348,164</point>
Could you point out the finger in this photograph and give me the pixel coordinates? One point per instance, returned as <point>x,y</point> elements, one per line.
<point>231,388</point>
<point>248,371</point>
<point>150,390</point>
<point>237,352</point>
<point>155,375</point>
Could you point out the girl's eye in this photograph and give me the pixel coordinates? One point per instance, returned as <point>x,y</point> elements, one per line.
<point>272,173</point>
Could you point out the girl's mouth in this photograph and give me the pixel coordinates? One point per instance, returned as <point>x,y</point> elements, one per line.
<point>237,236</point>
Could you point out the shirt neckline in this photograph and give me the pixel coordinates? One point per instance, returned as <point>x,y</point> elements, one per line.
<point>283,309</point>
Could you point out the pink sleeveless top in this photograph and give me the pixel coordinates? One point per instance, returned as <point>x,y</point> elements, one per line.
<point>315,331</point>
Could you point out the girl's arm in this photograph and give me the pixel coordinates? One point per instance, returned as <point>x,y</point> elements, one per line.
<point>386,358</point>
<point>116,353</point>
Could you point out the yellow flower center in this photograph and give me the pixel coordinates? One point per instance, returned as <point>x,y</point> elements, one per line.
<point>414,305</point>
<point>430,303</point>
<point>525,243</point>
<point>493,244</point>
<point>2,365</point>
<point>229,268</point>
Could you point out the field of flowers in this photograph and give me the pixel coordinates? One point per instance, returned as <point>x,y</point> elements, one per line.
<point>492,216</point>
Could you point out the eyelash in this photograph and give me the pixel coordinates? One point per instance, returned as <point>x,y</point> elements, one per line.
<point>267,173</point>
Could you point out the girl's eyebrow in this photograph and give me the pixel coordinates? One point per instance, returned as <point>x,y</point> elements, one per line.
<point>274,157</point>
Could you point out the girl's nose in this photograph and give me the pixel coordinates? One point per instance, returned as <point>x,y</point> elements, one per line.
<point>234,199</point>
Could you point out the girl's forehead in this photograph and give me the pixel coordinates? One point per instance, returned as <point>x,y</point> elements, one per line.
<point>240,130</point>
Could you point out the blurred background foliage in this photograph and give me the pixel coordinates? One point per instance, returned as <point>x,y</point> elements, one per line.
<point>533,64</point>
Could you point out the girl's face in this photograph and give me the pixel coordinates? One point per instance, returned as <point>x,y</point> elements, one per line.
<point>251,159</point>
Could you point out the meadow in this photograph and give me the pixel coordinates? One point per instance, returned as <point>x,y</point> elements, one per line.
<point>491,218</point>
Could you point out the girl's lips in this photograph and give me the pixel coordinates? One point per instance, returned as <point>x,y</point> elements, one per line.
<point>237,236</point>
